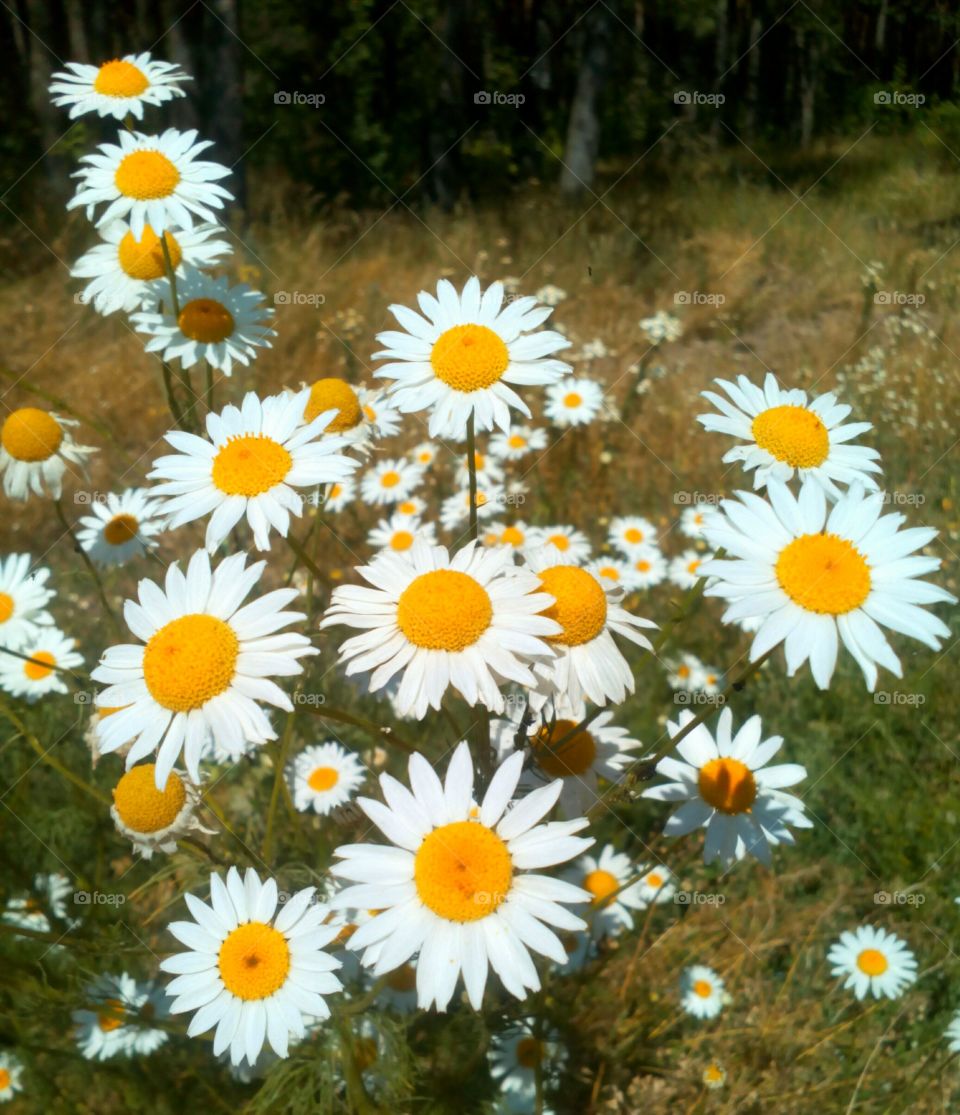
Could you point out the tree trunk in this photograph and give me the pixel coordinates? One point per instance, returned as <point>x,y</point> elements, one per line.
<point>809,57</point>
<point>583,129</point>
<point>223,93</point>
<point>753,76</point>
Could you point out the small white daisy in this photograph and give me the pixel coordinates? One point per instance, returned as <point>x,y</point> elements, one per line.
<point>23,599</point>
<point>152,819</point>
<point>382,419</point>
<point>550,295</point>
<point>516,1056</point>
<point>340,495</point>
<point>686,673</point>
<point>684,570</point>
<point>661,328</point>
<point>570,544</point>
<point>629,534</point>
<point>952,1033</point>
<point>657,884</point>
<point>613,572</point>
<point>489,471</point>
<point>323,777</point>
<point>36,449</point>
<point>693,521</point>
<point>714,1076</point>
<point>389,481</point>
<point>118,88</point>
<point>515,445</point>
<point>11,1072</point>
<point>51,894</point>
<point>615,891</point>
<point>121,527</point>
<point>455,509</point>
<point>701,992</point>
<point>573,401</point>
<point>515,534</point>
<point>121,1021</point>
<point>45,654</point>
<point>424,454</point>
<point>874,962</point>
<point>399,533</point>
<point>648,567</point>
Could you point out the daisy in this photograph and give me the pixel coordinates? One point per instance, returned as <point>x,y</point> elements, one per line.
<point>952,1032</point>
<point>399,532</point>
<point>714,1076</point>
<point>252,459</point>
<point>611,572</point>
<point>515,1056</point>
<point>412,507</point>
<point>516,535</point>
<point>469,622</point>
<point>217,322</point>
<point>121,527</point>
<point>122,267</point>
<point>515,445</point>
<point>345,401</point>
<point>37,673</point>
<point>686,674</point>
<point>786,433</point>
<point>726,787</point>
<point>455,509</point>
<point>155,180</point>
<point>615,891</point>
<point>23,599</point>
<point>489,471</point>
<point>10,1073</point>
<point>51,893</point>
<point>648,567</point>
<point>117,88</point>
<point>657,884</point>
<point>250,971</point>
<point>684,571</point>
<point>567,542</point>
<point>662,327</point>
<point>693,521</point>
<point>550,295</point>
<point>340,494</point>
<point>150,818</point>
<point>629,534</point>
<point>874,962</point>
<point>119,1024</point>
<point>588,664</point>
<point>324,777</point>
<point>458,889</point>
<point>390,481</point>
<point>813,577</point>
<point>460,358</point>
<point>701,992</point>
<point>382,419</point>
<point>573,401</point>
<point>205,664</point>
<point>424,455</point>
<point>36,449</point>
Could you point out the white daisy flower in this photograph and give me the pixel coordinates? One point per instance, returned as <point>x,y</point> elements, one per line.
<point>252,972</point>
<point>469,622</point>
<point>516,1054</point>
<point>117,88</point>
<point>701,992</point>
<point>489,471</point>
<point>615,891</point>
<point>413,508</point>
<point>612,572</point>
<point>694,520</point>
<point>11,1071</point>
<point>874,962</point>
<point>630,535</point>
<point>122,267</point>
<point>219,322</point>
<point>121,527</point>
<point>573,401</point>
<point>424,454</point>
<point>726,787</point>
<point>455,509</point>
<point>657,884</point>
<point>389,481</point>
<point>550,295</point>
<point>685,570</point>
<point>457,890</point>
<point>714,1076</point>
<point>648,567</point>
<point>382,419</point>
<point>399,533</point>
<point>460,358</point>
<point>150,818</point>
<point>346,402</point>
<point>588,664</point>
<point>952,1033</point>
<point>686,674</point>
<point>36,449</point>
<point>23,599</point>
<point>47,652</point>
<point>120,1022</point>
<point>324,777</point>
<point>520,441</point>
<point>568,543</point>
<point>205,664</point>
<point>661,327</point>
<point>515,534</point>
<point>51,893</point>
<point>156,180</point>
<point>252,459</point>
<point>340,495</point>
<point>813,577</point>
<point>786,433</point>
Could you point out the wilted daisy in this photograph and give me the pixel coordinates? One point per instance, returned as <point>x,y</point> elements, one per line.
<point>588,663</point>
<point>454,886</point>
<point>117,88</point>
<point>122,267</point>
<point>45,654</point>
<point>469,622</point>
<point>515,535</point>
<point>340,495</point>
<point>786,433</point>
<point>629,534</point>
<point>36,449</point>
<point>51,895</point>
<point>252,972</point>
<point>813,577</point>
<point>657,884</point>
<point>121,527</point>
<point>11,1072</point>
<point>520,441</point>
<point>23,599</point>
<point>615,891</point>
<point>323,777</point>
<point>488,468</point>
<point>516,1055</point>
<point>252,459</point>
<point>120,1022</point>
<point>648,567</point>
<point>206,663</point>
<point>694,520</point>
<point>568,543</point>
<point>460,358</point>
<point>726,787</point>
<point>389,481</point>
<point>701,992</point>
<point>685,571</point>
<point>573,401</point>
<point>399,532</point>
<point>455,509</point>
<point>874,962</point>
<point>150,818</point>
<point>156,180</point>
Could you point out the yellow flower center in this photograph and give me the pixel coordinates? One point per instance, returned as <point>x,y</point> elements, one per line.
<point>146,176</point>
<point>144,808</point>
<point>254,960</point>
<point>573,757</point>
<point>713,1074</point>
<point>683,671</point>
<point>529,1053</point>
<point>190,661</point>
<point>792,434</point>
<point>250,464</point>
<point>560,541</point>
<point>642,566</point>
<point>401,540</point>
<point>408,507</point>
<point>390,479</point>
<point>6,606</point>
<point>369,413</point>
<point>515,441</point>
<point>581,604</point>
<point>120,79</point>
<point>121,529</point>
<point>4,1080</point>
<point>633,535</point>
<point>703,988</point>
<point>469,357</point>
<point>206,320</point>
<point>335,491</point>
<point>824,573</point>
<point>36,672</point>
<point>572,400</point>
<point>323,778</point>
<point>610,572</point>
<point>512,536</point>
<point>143,258</point>
<point>110,1016</point>
<point>425,456</point>
<point>693,566</point>
<point>30,434</point>
<point>402,979</point>
<point>601,884</point>
<point>444,610</point>
<point>654,880</point>
<point>872,962</point>
<point>728,785</point>
<point>462,871</point>
<point>334,394</point>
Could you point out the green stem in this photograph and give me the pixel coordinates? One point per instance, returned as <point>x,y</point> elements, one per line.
<point>58,506</point>
<point>279,762</point>
<point>208,393</point>
<point>472,470</point>
<point>182,374</point>
<point>381,733</point>
<point>482,754</point>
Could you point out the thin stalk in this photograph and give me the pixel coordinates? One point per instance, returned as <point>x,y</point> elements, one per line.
<point>58,507</point>
<point>182,374</point>
<point>472,470</point>
<point>279,761</point>
<point>380,733</point>
<point>482,756</point>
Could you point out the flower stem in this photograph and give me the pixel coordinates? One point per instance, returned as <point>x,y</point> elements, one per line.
<point>183,375</point>
<point>381,733</point>
<point>482,755</point>
<point>91,569</point>
<point>472,470</point>
<point>279,762</point>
